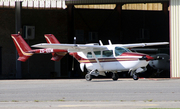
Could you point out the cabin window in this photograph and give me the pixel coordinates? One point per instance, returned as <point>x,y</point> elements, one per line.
<point>97,53</point>
<point>108,53</point>
<point>120,50</point>
<point>89,55</point>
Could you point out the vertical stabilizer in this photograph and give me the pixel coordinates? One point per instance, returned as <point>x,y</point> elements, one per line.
<point>22,47</point>
<point>50,38</point>
<point>56,56</point>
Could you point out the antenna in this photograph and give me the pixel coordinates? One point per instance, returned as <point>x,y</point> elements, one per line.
<point>109,42</point>
<point>100,42</point>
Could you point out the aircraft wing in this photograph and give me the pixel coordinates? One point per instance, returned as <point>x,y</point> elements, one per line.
<point>71,47</point>
<point>143,44</point>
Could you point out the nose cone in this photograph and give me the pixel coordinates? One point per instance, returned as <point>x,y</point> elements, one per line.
<point>149,58</point>
<point>146,57</point>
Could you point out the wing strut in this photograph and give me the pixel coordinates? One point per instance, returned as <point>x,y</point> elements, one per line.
<point>96,59</point>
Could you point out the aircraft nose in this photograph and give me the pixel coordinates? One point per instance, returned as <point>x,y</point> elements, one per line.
<point>147,58</point>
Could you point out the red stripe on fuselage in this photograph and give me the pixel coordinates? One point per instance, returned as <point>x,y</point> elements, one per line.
<point>119,58</point>
<point>108,60</point>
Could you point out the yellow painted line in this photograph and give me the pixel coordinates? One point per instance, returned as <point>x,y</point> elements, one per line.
<point>48,39</point>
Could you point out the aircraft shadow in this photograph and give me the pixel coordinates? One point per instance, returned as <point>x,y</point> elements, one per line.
<point>104,80</point>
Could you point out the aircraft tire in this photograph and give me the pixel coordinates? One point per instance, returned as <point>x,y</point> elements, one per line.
<point>115,76</point>
<point>135,76</point>
<point>88,77</point>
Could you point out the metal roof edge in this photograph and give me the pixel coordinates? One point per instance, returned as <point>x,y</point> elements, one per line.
<point>80,2</point>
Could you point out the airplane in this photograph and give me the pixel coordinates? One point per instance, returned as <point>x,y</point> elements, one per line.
<point>100,59</point>
<point>24,51</point>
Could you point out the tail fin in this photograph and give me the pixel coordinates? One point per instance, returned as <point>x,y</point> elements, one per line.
<point>56,56</point>
<point>22,47</point>
<point>50,38</point>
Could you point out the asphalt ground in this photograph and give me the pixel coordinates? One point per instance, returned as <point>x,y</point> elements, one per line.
<point>95,94</point>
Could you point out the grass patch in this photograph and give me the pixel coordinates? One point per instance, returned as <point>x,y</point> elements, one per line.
<point>4,101</point>
<point>150,100</point>
<point>161,108</point>
<point>61,100</point>
<point>36,100</point>
<point>15,101</point>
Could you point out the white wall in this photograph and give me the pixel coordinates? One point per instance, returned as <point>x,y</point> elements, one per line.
<point>175,38</point>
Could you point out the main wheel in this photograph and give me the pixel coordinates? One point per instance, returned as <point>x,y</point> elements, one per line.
<point>115,76</point>
<point>88,77</point>
<point>135,76</point>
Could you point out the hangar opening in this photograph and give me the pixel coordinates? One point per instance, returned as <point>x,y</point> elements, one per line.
<point>117,20</point>
<point>126,23</point>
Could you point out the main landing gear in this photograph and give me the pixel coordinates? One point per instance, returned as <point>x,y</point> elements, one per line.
<point>88,77</point>
<point>115,76</point>
<point>135,76</point>
<point>92,73</point>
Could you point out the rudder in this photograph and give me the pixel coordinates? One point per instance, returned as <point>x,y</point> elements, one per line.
<point>22,47</point>
<point>50,38</point>
<point>56,56</point>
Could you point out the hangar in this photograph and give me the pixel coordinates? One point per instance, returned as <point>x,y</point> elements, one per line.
<point>64,20</point>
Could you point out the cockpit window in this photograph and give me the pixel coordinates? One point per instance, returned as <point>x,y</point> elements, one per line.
<point>89,55</point>
<point>97,54</point>
<point>108,53</point>
<point>120,50</point>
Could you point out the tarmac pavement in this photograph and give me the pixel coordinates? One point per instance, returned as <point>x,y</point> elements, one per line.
<point>95,94</point>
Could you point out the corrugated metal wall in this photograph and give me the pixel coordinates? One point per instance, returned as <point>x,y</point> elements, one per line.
<point>80,2</point>
<point>135,6</point>
<point>175,38</point>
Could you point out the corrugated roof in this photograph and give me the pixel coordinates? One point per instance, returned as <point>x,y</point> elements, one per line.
<point>79,2</point>
<point>34,4</point>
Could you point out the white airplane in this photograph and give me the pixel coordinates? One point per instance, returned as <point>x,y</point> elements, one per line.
<point>101,59</point>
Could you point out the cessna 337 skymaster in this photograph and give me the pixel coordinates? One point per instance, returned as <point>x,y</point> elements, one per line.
<point>100,59</point>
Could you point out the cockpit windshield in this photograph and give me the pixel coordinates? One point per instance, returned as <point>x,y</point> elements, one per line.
<point>120,50</point>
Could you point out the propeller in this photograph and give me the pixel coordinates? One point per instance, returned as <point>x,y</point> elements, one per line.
<point>73,56</point>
